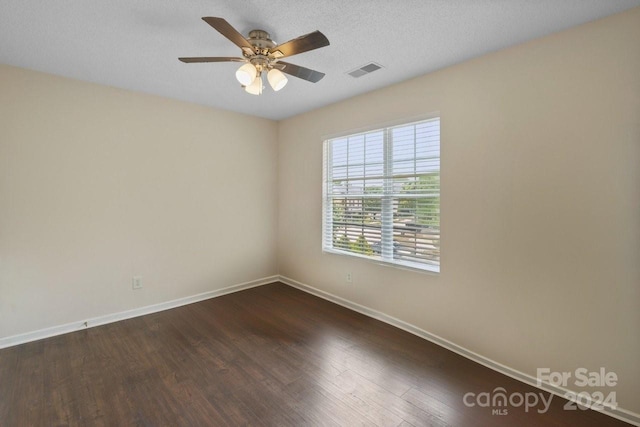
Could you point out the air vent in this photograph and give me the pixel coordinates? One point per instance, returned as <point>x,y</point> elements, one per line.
<point>365,69</point>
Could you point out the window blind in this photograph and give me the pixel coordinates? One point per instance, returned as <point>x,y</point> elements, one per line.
<point>382,194</point>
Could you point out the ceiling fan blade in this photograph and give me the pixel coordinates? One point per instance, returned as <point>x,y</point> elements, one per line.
<point>212,59</point>
<point>300,72</point>
<point>229,32</point>
<point>301,44</point>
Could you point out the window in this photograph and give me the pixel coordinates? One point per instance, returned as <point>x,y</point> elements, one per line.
<point>382,195</point>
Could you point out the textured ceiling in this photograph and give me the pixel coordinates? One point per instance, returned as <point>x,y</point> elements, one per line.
<point>136,44</point>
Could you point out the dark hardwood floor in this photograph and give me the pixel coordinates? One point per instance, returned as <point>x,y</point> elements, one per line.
<point>271,355</point>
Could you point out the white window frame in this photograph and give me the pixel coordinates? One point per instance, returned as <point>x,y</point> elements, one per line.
<point>385,254</point>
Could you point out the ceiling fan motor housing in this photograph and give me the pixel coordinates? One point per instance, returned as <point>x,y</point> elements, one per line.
<point>261,41</point>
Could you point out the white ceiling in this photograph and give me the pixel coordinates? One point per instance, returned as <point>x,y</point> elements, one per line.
<point>135,44</point>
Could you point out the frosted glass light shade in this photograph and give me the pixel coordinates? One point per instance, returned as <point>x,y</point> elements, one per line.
<point>246,74</point>
<point>255,88</point>
<point>277,79</point>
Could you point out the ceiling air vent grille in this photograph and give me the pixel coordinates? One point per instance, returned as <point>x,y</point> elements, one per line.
<point>365,69</point>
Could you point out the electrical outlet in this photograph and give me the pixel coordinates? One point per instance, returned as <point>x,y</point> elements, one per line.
<point>136,283</point>
<point>349,278</point>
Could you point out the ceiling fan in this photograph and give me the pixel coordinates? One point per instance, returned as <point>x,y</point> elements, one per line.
<point>262,55</point>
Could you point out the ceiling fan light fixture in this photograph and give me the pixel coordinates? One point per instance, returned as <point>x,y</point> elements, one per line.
<point>277,79</point>
<point>246,74</point>
<point>255,88</point>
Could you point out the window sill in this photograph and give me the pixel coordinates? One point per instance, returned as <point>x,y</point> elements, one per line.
<point>418,268</point>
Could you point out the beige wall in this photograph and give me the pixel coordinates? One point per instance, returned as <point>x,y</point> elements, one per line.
<point>99,184</point>
<point>540,204</point>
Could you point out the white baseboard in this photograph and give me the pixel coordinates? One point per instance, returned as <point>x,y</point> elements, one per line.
<point>619,413</point>
<point>128,314</point>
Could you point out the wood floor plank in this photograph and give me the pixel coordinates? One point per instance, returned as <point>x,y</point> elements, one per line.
<point>399,406</point>
<point>268,356</point>
<point>61,405</point>
<point>8,365</point>
<point>326,408</point>
<point>27,400</point>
